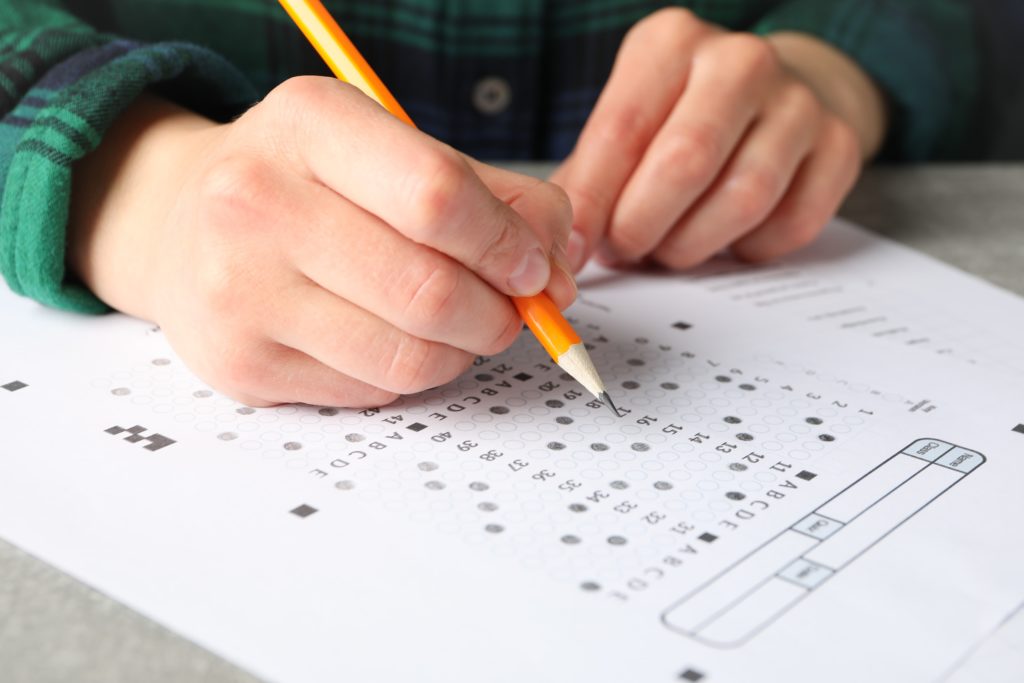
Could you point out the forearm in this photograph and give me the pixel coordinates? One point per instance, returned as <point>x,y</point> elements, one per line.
<point>839,82</point>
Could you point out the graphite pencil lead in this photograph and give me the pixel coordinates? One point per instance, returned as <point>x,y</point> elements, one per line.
<point>607,400</point>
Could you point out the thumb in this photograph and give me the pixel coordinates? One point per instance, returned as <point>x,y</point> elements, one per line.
<point>548,213</point>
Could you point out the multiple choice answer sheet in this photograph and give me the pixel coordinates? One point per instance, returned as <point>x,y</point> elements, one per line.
<point>816,475</point>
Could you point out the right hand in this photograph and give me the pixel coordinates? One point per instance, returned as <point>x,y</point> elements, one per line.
<point>316,250</point>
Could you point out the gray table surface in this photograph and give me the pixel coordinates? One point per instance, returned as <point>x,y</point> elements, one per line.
<point>53,628</point>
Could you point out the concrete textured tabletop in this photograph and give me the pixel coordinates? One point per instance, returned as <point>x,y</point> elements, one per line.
<point>53,628</point>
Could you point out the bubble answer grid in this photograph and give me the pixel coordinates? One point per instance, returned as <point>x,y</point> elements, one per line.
<point>422,529</point>
<point>574,493</point>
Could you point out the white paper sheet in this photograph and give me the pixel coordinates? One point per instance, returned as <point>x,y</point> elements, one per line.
<point>818,478</point>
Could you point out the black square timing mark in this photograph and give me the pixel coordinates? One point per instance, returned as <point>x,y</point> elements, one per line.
<point>417,427</point>
<point>136,434</point>
<point>691,675</point>
<point>304,511</point>
<point>682,326</point>
<point>1019,429</point>
<point>14,386</point>
<point>523,377</point>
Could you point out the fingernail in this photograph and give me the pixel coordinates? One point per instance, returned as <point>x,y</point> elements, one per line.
<point>531,275</point>
<point>575,252</point>
<point>561,261</point>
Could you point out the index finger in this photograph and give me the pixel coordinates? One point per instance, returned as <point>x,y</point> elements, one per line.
<point>648,77</point>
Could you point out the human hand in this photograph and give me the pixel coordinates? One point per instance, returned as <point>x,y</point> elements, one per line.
<point>315,250</point>
<point>704,138</point>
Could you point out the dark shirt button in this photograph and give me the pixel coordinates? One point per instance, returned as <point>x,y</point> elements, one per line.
<point>492,95</point>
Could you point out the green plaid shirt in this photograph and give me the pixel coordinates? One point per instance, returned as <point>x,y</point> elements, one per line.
<point>495,78</point>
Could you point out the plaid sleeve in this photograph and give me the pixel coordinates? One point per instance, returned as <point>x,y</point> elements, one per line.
<point>922,53</point>
<point>62,84</point>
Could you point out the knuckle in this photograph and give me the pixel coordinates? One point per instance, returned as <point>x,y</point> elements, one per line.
<point>295,101</point>
<point>689,158</point>
<point>233,188</point>
<point>298,110</point>
<point>757,55</point>
<point>843,142</point>
<point>801,101</point>
<point>750,196</point>
<point>298,92</point>
<point>440,179</point>
<point>671,32</point>
<point>625,129</point>
<point>409,368</point>
<point>431,303</point>
<point>671,20</point>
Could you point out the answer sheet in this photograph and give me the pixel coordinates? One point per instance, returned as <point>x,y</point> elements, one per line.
<point>817,475</point>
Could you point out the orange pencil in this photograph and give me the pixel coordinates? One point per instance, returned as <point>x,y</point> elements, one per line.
<point>539,312</point>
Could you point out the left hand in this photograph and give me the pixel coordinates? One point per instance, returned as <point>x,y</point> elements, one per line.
<point>703,139</point>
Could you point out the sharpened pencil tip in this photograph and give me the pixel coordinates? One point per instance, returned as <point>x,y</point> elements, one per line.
<point>607,400</point>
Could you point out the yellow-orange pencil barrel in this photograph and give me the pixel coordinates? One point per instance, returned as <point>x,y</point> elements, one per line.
<point>545,320</point>
<point>560,340</point>
<point>340,54</point>
<point>539,312</point>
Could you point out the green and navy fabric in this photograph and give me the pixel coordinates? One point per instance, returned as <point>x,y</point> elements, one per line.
<point>68,68</point>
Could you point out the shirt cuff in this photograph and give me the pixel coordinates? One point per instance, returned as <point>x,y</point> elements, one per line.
<point>63,117</point>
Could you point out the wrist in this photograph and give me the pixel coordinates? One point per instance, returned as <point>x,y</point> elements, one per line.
<point>122,194</point>
<point>841,85</point>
